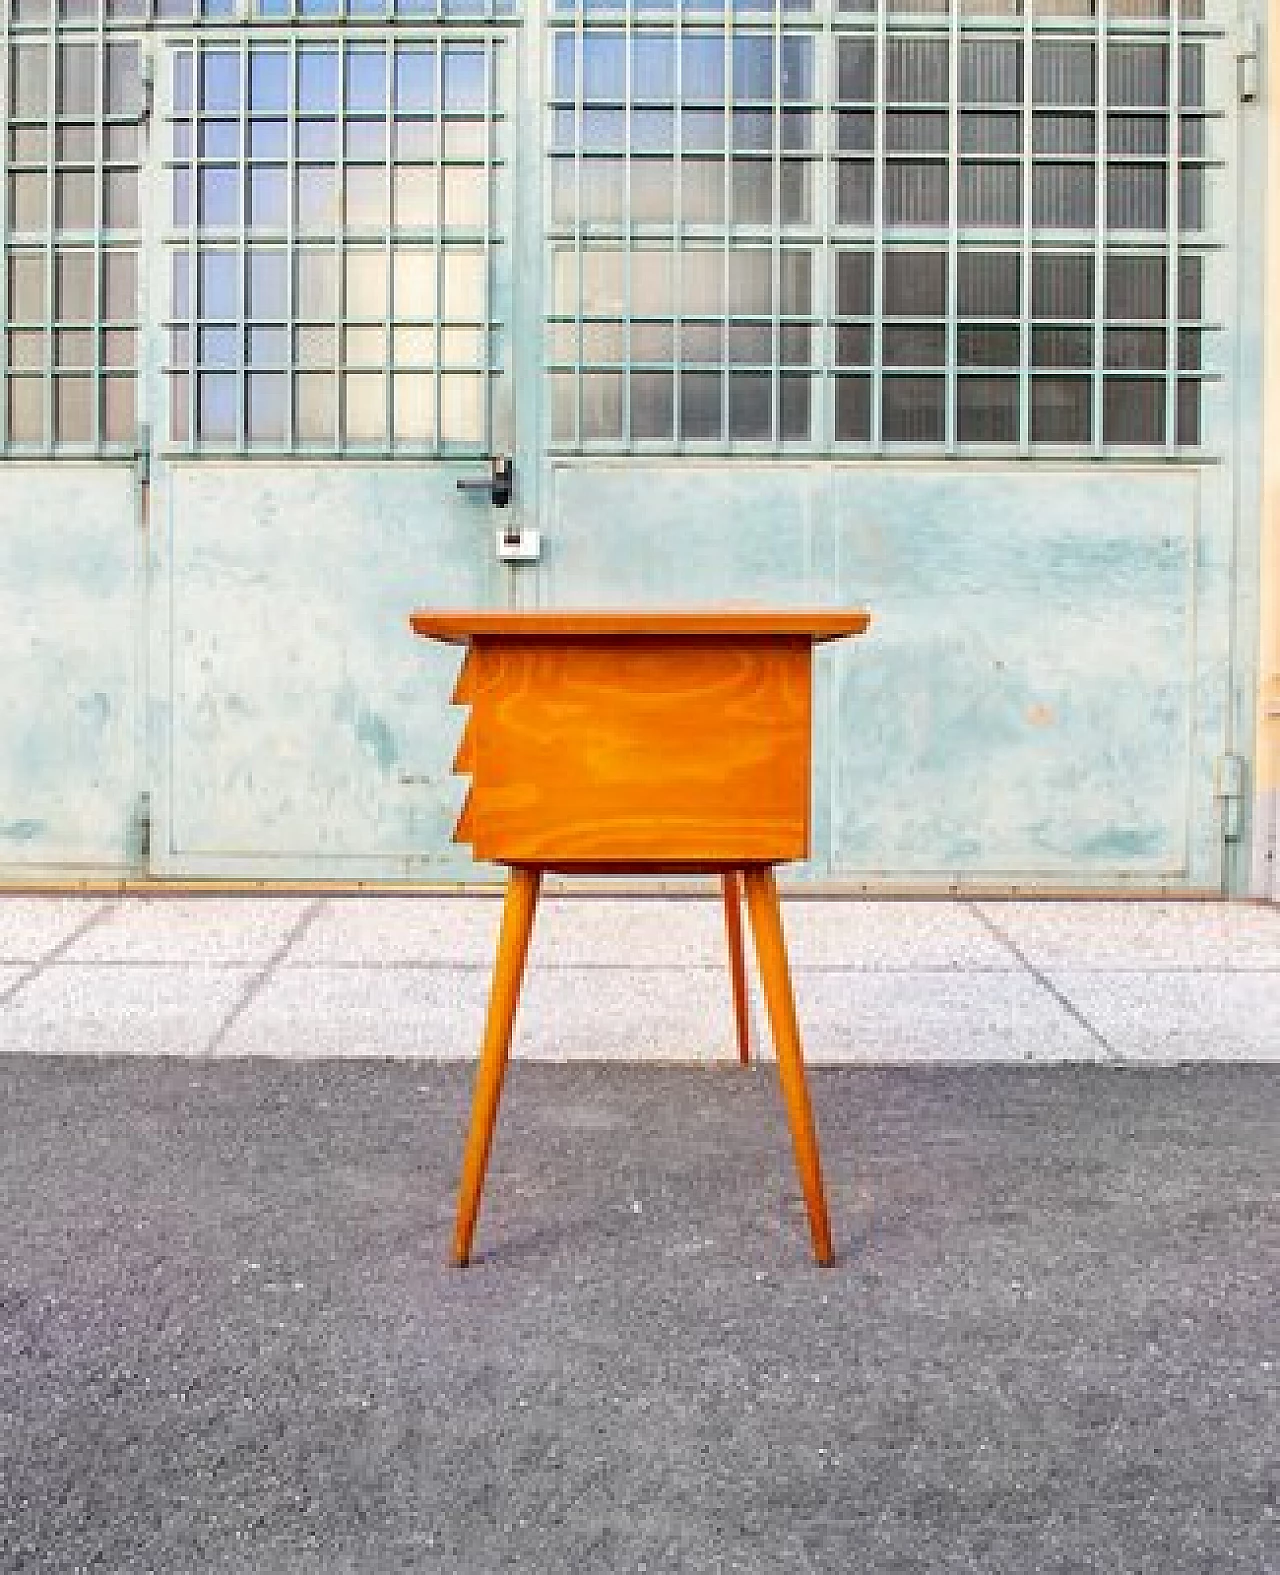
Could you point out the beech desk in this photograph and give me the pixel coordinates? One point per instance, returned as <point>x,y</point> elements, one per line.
<point>639,743</point>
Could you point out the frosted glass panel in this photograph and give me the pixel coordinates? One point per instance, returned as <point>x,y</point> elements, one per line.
<point>332,154</point>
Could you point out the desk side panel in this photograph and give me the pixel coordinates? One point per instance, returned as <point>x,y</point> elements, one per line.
<point>639,753</point>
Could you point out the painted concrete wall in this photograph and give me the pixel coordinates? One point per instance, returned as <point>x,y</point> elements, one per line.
<point>1266,875</point>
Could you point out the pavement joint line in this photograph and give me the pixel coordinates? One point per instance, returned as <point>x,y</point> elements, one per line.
<point>255,985</point>
<point>1042,978</point>
<point>35,969</point>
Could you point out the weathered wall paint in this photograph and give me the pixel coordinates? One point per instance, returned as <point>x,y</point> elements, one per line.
<point>1042,694</point>
<point>307,733</point>
<point>294,729</point>
<point>1266,840</point>
<point>70,608</point>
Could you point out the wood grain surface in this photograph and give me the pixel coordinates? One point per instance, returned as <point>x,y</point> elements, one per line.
<point>461,627</point>
<point>648,753</point>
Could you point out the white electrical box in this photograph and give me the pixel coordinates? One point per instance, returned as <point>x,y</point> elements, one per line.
<point>519,546</point>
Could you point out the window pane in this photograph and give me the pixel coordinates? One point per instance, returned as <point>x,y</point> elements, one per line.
<point>916,70</point>
<point>365,284</point>
<point>462,408</point>
<point>268,81</point>
<point>987,410</point>
<point>854,283</point>
<point>986,346</point>
<point>73,409</point>
<point>119,405</point>
<point>750,406</point>
<point>464,79</point>
<point>1133,410</point>
<point>916,193</point>
<point>652,406</point>
<point>1062,284</point>
<point>988,284</point>
<point>123,87</point>
<point>991,71</point>
<point>1061,409</point>
<point>317,81</point>
<point>29,79</point>
<point>1135,286</point>
<point>915,283</point>
<point>914,409</point>
<point>366,84</point>
<point>315,404</point>
<point>415,81</point>
<point>364,407</point>
<point>219,81</point>
<point>216,407</point>
<point>1062,72</point>
<point>414,418</point>
<point>73,286</point>
<point>853,409</point>
<point>653,71</point>
<point>26,409</point>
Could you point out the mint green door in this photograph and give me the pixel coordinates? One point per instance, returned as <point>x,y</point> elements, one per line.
<point>944,309</point>
<point>335,286</point>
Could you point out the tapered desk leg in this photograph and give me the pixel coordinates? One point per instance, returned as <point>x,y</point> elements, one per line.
<point>508,969</point>
<point>766,925</point>
<point>737,963</point>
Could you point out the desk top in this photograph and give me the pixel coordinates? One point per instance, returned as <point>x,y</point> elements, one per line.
<point>461,627</point>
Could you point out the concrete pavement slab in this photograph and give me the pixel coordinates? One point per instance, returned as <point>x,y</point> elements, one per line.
<point>107,1009</point>
<point>568,930</point>
<point>30,927</point>
<point>644,932</point>
<point>1157,935</point>
<point>883,933</point>
<point>224,931</point>
<point>565,1013</point>
<point>848,1016</point>
<point>315,1012</point>
<point>232,1341</point>
<point>1150,1015</point>
<point>392,931</point>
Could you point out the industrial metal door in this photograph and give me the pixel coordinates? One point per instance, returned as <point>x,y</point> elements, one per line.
<point>934,306</point>
<point>337,256</point>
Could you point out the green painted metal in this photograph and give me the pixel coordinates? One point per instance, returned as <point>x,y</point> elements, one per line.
<point>72,569</point>
<point>926,382</point>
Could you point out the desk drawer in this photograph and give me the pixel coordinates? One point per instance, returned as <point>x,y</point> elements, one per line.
<point>637,751</point>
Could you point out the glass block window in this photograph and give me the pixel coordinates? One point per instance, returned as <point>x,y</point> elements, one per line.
<point>885,224</point>
<point>71,105</point>
<point>336,247</point>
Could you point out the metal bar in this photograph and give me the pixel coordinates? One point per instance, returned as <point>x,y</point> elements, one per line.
<point>877,235</point>
<point>1100,234</point>
<point>951,394</point>
<point>6,132</point>
<point>1025,251</point>
<point>1173,238</point>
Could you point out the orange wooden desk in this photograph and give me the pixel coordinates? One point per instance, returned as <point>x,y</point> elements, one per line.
<point>639,742</point>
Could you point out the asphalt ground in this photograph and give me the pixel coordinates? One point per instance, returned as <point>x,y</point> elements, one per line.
<point>231,1339</point>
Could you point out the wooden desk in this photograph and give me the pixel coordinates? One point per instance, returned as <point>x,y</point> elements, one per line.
<point>639,743</point>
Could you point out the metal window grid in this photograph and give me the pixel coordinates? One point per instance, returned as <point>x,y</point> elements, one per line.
<point>368,177</point>
<point>70,239</point>
<point>984,134</point>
